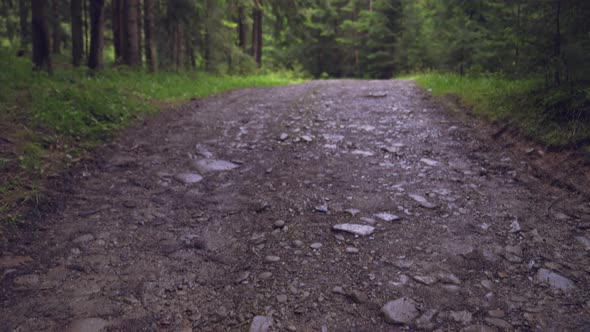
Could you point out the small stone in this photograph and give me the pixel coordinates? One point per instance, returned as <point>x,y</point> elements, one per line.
<point>282,298</point>
<point>487,284</point>
<point>515,226</point>
<point>357,297</point>
<point>188,178</point>
<point>265,275</point>
<point>449,278</point>
<point>584,241</point>
<point>422,201</point>
<point>429,162</point>
<point>497,313</point>
<point>338,290</point>
<point>307,138</point>
<point>279,224</point>
<point>84,238</point>
<point>369,221</point>
<point>291,328</point>
<point>213,165</point>
<point>463,317</point>
<point>272,259</point>
<point>258,238</point>
<point>322,208</point>
<point>400,311</point>
<point>352,212</point>
<point>554,280</point>
<point>244,275</point>
<point>352,250</point>
<point>316,245</point>
<point>298,243</point>
<point>76,251</point>
<point>261,324</point>
<point>354,229</point>
<point>479,328</point>
<point>88,325</point>
<point>425,321</point>
<point>387,216</point>
<point>426,280</point>
<point>283,137</point>
<point>499,323</point>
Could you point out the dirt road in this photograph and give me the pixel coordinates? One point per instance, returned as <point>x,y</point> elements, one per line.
<point>223,215</point>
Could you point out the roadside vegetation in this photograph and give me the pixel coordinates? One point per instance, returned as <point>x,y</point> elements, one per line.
<point>557,117</point>
<point>48,122</point>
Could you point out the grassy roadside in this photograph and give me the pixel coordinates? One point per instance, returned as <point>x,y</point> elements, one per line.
<point>49,122</point>
<point>555,117</point>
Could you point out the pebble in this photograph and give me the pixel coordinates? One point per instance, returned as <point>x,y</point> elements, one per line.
<point>499,323</point>
<point>464,317</point>
<point>298,243</point>
<point>400,311</point>
<point>307,138</point>
<point>429,162</point>
<point>422,201</point>
<point>387,216</point>
<point>261,324</point>
<point>487,284</point>
<point>88,325</point>
<point>272,259</point>
<point>357,296</point>
<point>322,208</point>
<point>283,137</point>
<point>426,280</point>
<point>338,290</point>
<point>369,221</point>
<point>355,229</point>
<point>282,298</point>
<point>479,328</point>
<point>352,212</point>
<point>425,321</point>
<point>279,223</point>
<point>316,245</point>
<point>243,276</point>
<point>554,280</point>
<point>497,313</point>
<point>213,165</point>
<point>188,178</point>
<point>84,238</point>
<point>265,275</point>
<point>449,278</point>
<point>352,250</point>
<point>584,241</point>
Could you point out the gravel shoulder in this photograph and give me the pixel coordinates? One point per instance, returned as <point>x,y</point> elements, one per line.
<point>326,206</point>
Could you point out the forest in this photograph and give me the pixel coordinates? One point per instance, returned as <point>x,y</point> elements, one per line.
<point>323,38</point>
<point>74,72</point>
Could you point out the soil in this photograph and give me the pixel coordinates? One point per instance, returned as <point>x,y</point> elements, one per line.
<point>468,233</point>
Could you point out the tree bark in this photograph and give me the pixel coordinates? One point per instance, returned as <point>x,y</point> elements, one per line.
<point>242,29</point>
<point>257,34</point>
<point>86,28</point>
<point>55,27</point>
<point>40,34</point>
<point>117,25</point>
<point>131,34</point>
<point>95,56</point>
<point>77,32</point>
<point>149,26</point>
<point>557,45</point>
<point>23,11</point>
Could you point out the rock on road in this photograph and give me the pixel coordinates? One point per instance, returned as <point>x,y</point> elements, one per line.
<point>325,206</point>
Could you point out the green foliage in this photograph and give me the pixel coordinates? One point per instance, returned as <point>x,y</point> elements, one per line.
<point>52,120</point>
<point>555,116</point>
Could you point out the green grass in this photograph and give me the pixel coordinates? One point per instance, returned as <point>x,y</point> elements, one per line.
<point>558,117</point>
<point>49,121</point>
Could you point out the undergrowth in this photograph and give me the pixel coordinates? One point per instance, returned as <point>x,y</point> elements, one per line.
<point>48,122</point>
<point>558,117</point>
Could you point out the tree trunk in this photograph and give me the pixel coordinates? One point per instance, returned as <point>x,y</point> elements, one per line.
<point>95,58</point>
<point>117,17</point>
<point>23,11</point>
<point>86,28</point>
<point>40,34</point>
<point>77,32</point>
<point>241,29</point>
<point>557,45</point>
<point>131,34</point>
<point>55,27</point>
<point>257,34</point>
<point>139,30</point>
<point>149,26</point>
